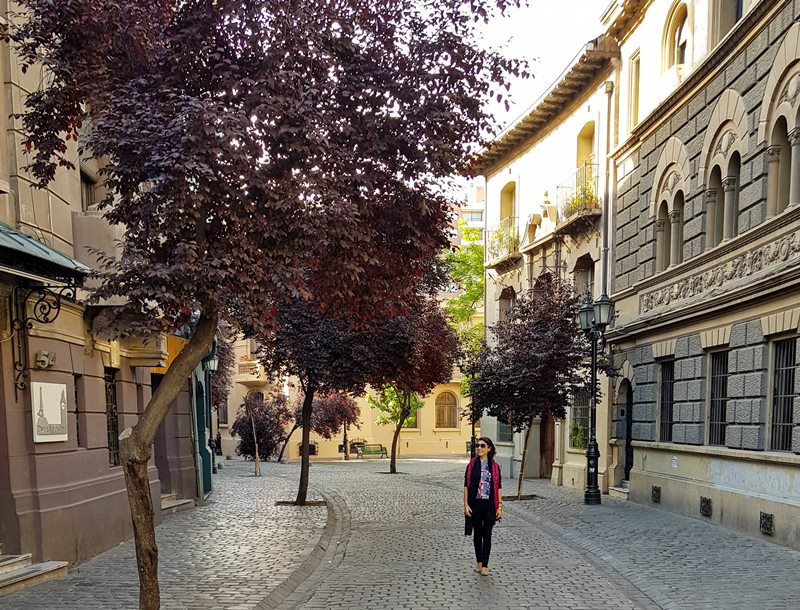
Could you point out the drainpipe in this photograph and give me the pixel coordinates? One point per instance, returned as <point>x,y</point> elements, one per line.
<point>606,216</point>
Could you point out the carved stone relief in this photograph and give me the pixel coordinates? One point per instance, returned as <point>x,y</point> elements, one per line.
<point>743,265</point>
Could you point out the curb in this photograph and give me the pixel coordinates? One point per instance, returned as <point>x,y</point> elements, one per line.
<point>301,583</point>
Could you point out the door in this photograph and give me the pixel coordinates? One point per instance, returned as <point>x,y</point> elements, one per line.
<point>628,390</point>
<point>547,446</point>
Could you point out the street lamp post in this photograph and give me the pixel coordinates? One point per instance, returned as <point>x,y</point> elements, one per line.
<point>211,365</point>
<point>593,319</point>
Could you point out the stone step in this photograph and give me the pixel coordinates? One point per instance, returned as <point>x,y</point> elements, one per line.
<point>9,563</point>
<point>624,483</point>
<point>618,492</point>
<point>168,497</point>
<point>171,507</point>
<point>31,575</point>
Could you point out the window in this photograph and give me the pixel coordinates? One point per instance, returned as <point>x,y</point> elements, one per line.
<point>473,216</point>
<point>717,419</point>
<point>446,410</point>
<point>666,400</point>
<point>783,394</point>
<point>715,202</point>
<point>257,396</point>
<point>663,237</point>
<point>112,420</point>
<point>506,302</point>
<point>505,434</point>
<point>584,275</point>
<point>726,14</point>
<point>633,91</point>
<point>779,169</point>
<point>579,428</point>
<point>87,192</point>
<point>412,421</point>
<point>676,37</point>
<point>731,188</point>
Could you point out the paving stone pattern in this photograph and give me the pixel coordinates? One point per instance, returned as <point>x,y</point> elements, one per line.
<point>397,542</point>
<point>229,553</point>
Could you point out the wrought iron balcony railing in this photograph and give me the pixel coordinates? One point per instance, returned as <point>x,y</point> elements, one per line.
<point>503,239</point>
<point>578,192</point>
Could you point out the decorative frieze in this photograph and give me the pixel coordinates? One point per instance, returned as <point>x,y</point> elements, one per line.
<point>743,265</point>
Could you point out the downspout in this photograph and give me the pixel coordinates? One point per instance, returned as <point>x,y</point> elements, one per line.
<point>606,216</point>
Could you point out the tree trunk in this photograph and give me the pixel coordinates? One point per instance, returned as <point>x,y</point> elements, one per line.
<point>308,403</point>
<point>346,449</point>
<point>136,448</point>
<point>286,442</point>
<point>401,420</point>
<point>255,444</point>
<point>524,459</point>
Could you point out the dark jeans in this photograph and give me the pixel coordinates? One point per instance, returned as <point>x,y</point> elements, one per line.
<point>482,523</point>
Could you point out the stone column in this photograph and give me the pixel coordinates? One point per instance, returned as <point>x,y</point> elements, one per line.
<point>773,179</point>
<point>662,250</point>
<point>794,177</point>
<point>729,216</point>
<point>711,218</point>
<point>676,234</point>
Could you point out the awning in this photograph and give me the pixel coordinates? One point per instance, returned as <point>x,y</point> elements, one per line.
<point>24,253</point>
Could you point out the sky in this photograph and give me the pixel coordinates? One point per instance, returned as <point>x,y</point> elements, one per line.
<point>548,33</point>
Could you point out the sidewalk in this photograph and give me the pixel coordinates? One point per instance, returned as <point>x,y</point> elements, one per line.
<point>231,552</point>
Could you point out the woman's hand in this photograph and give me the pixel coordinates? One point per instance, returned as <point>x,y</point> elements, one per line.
<point>499,511</point>
<point>467,510</point>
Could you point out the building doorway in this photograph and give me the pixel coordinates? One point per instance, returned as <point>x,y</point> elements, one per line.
<point>547,445</point>
<point>626,392</point>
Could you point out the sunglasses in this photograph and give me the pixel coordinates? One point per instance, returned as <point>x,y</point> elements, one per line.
<point>482,445</point>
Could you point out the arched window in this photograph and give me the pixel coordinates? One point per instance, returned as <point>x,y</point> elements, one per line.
<point>663,237</point>
<point>715,201</point>
<point>779,169</point>
<point>446,410</point>
<point>506,302</point>
<point>677,37</point>
<point>508,201</point>
<point>583,274</point>
<point>731,187</point>
<point>676,229</point>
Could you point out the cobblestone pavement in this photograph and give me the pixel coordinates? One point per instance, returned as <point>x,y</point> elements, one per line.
<point>398,543</point>
<point>229,553</point>
<point>405,549</point>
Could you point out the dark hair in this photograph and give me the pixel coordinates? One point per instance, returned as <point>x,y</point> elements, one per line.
<point>489,442</point>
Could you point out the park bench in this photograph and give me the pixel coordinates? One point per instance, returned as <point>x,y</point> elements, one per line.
<point>372,450</point>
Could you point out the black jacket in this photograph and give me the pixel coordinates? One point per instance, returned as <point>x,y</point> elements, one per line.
<point>472,492</point>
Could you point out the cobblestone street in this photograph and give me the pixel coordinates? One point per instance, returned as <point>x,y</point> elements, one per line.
<point>397,542</point>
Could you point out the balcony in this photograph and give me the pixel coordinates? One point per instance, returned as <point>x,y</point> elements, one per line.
<point>502,244</point>
<point>579,201</point>
<point>250,373</point>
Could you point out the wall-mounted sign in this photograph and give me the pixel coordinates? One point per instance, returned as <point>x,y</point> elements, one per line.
<point>49,412</point>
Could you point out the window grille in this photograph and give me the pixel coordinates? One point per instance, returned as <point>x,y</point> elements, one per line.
<point>579,429</point>
<point>719,398</point>
<point>505,434</point>
<point>666,398</point>
<point>446,410</point>
<point>112,421</point>
<point>76,381</point>
<point>783,395</point>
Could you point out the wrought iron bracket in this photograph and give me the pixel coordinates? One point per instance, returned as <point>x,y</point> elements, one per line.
<point>45,310</point>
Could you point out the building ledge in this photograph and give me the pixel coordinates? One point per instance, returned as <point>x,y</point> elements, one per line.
<point>505,262</point>
<point>772,457</point>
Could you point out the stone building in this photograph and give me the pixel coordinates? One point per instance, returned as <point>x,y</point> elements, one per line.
<point>706,241</point>
<point>65,393</point>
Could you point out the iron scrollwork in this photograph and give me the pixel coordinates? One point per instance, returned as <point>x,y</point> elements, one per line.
<point>45,309</point>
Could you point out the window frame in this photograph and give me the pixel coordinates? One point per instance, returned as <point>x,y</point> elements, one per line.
<point>112,416</point>
<point>662,363</point>
<point>771,392</point>
<point>505,434</point>
<point>439,421</point>
<point>634,87</point>
<point>88,186</point>
<point>710,397</point>
<point>584,395</point>
<point>671,41</point>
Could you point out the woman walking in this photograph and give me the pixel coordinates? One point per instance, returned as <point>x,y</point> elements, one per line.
<point>483,500</point>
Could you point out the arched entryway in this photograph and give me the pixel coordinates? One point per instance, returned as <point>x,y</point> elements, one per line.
<point>626,411</point>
